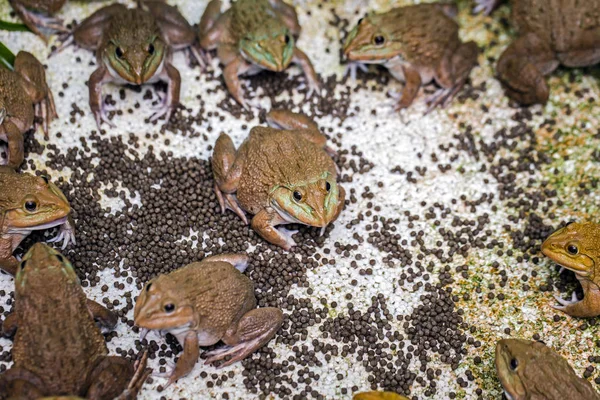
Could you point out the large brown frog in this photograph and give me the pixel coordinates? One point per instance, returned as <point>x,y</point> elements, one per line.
<point>551,33</point>
<point>58,349</point>
<point>418,44</point>
<point>204,303</point>
<point>29,203</point>
<point>577,248</point>
<point>282,176</point>
<point>533,371</point>
<point>133,46</point>
<point>24,95</point>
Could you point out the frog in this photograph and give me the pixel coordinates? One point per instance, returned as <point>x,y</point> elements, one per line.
<point>418,44</point>
<point>38,15</point>
<point>29,203</point>
<point>25,95</point>
<point>251,36</point>
<point>282,173</point>
<point>550,33</point>
<point>531,370</point>
<point>58,349</point>
<point>203,303</point>
<point>134,46</point>
<point>576,247</point>
<point>374,395</point>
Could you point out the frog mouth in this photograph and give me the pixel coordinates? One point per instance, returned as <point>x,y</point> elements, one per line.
<point>28,230</point>
<point>289,218</point>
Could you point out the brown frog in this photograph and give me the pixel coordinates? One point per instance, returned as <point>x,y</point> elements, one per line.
<point>24,96</point>
<point>58,349</point>
<point>204,303</point>
<point>38,14</point>
<point>532,371</point>
<point>133,46</point>
<point>551,33</point>
<point>282,176</point>
<point>378,396</point>
<point>418,44</point>
<point>29,203</point>
<point>577,248</point>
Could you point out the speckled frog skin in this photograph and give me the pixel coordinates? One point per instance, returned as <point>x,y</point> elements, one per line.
<point>551,33</point>
<point>378,396</point>
<point>577,247</point>
<point>204,303</point>
<point>530,370</point>
<point>417,44</point>
<point>58,349</point>
<point>133,46</point>
<point>281,176</point>
<point>37,14</point>
<point>24,96</point>
<point>29,203</point>
<point>251,36</point>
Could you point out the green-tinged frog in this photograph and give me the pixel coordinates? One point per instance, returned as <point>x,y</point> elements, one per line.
<point>282,176</point>
<point>24,95</point>
<point>551,33</point>
<point>133,46</point>
<point>531,370</point>
<point>204,303</point>
<point>29,203</point>
<point>378,396</point>
<point>417,44</point>
<point>38,14</point>
<point>577,248</point>
<point>58,349</point>
<point>251,36</point>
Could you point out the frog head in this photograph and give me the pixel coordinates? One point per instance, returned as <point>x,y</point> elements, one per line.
<point>312,203</point>
<point>33,203</point>
<point>161,306</point>
<point>372,40</point>
<point>40,266</point>
<point>270,46</point>
<point>512,356</point>
<point>135,51</point>
<point>575,247</point>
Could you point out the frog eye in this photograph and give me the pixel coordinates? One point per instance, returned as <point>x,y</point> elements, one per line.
<point>360,20</point>
<point>572,249</point>
<point>30,205</point>
<point>297,195</point>
<point>23,264</point>
<point>379,40</point>
<point>569,223</point>
<point>169,308</point>
<point>45,179</point>
<point>60,258</point>
<point>148,287</point>
<point>151,49</point>
<point>119,52</point>
<point>327,186</point>
<point>287,39</point>
<point>514,363</point>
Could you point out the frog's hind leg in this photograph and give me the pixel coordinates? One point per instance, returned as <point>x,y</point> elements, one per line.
<point>19,383</point>
<point>211,25</point>
<point>35,21</point>
<point>239,261</point>
<point>109,379</point>
<point>227,167</point>
<point>522,67</point>
<point>252,332</point>
<point>137,380</point>
<point>300,124</point>
<point>104,318</point>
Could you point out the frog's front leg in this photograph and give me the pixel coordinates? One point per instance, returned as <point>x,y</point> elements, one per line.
<point>106,319</point>
<point>10,325</point>
<point>14,139</point>
<point>98,78</point>
<point>588,307</point>
<point>19,383</point>
<point>189,357</point>
<point>486,6</point>
<point>252,332</point>
<point>264,224</point>
<point>238,66</point>
<point>522,67</point>
<point>170,74</point>
<point>412,84</point>
<point>227,167</point>
<point>36,21</point>
<point>309,71</point>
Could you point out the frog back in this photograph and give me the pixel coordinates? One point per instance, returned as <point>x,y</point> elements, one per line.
<point>420,34</point>
<point>219,293</point>
<point>276,157</point>
<point>248,16</point>
<point>15,100</point>
<point>565,25</point>
<point>56,336</point>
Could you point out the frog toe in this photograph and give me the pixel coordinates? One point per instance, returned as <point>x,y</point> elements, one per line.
<point>564,303</point>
